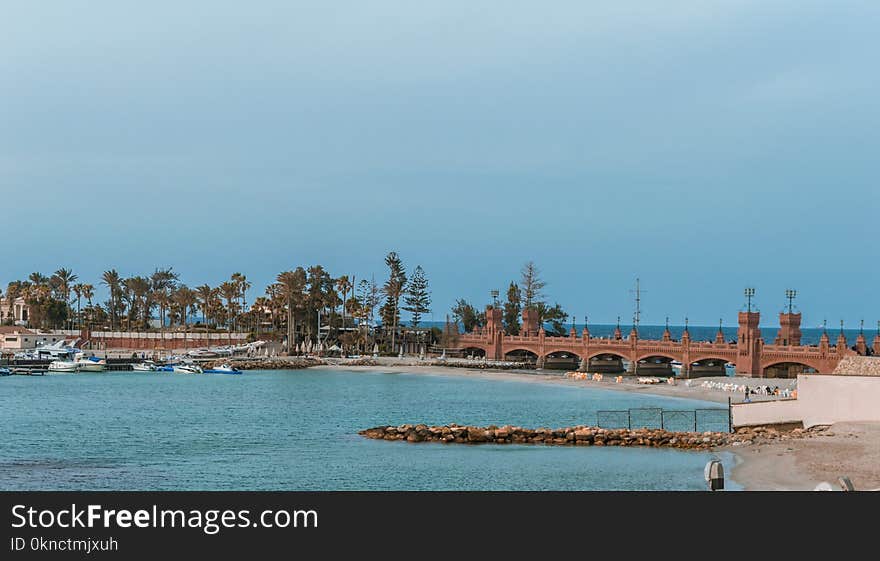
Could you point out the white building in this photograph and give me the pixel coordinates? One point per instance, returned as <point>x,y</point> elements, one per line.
<point>17,310</point>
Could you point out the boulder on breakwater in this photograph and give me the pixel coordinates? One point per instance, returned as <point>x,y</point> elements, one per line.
<point>276,363</point>
<point>580,435</point>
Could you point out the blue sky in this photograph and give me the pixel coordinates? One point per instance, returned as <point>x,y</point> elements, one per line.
<point>701,146</point>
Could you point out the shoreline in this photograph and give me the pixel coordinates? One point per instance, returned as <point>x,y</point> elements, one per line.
<point>532,376</point>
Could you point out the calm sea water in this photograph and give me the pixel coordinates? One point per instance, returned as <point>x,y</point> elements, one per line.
<point>297,430</point>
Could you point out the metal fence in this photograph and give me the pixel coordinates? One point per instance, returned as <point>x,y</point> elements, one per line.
<point>696,420</point>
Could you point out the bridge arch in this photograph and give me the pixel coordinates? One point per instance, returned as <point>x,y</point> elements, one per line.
<point>709,366</point>
<point>562,359</point>
<point>787,368</point>
<point>607,362</point>
<point>477,352</point>
<point>668,356</point>
<point>521,354</point>
<point>620,354</point>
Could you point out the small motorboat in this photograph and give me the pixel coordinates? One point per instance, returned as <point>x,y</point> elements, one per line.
<point>223,369</point>
<point>91,364</point>
<point>145,366</point>
<point>63,366</point>
<point>187,368</point>
<point>5,371</point>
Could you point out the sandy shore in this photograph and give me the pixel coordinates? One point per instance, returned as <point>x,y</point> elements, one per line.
<point>845,449</point>
<point>544,377</point>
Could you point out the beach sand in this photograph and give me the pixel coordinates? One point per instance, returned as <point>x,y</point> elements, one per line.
<point>845,449</point>
<point>557,377</point>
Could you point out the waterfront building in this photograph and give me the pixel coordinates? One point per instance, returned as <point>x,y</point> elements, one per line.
<point>14,338</point>
<point>13,311</point>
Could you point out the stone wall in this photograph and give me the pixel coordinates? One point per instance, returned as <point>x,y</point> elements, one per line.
<point>858,366</point>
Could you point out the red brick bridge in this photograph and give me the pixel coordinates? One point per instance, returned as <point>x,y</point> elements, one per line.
<point>786,357</point>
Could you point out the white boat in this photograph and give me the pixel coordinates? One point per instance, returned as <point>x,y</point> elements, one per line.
<point>223,369</point>
<point>145,366</point>
<point>90,363</point>
<point>63,366</point>
<point>185,368</point>
<point>202,353</point>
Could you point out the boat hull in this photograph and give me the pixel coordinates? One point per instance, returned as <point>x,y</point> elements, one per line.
<point>186,370</point>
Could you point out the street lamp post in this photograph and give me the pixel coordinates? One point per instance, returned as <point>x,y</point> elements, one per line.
<point>791,294</point>
<point>749,293</point>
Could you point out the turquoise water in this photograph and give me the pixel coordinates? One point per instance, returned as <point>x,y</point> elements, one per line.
<point>297,430</point>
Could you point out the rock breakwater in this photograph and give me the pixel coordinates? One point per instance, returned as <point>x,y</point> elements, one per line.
<point>277,363</point>
<point>580,435</point>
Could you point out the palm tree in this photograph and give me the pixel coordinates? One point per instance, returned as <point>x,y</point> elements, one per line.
<point>137,292</point>
<point>229,292</point>
<point>88,292</point>
<point>204,294</point>
<point>113,282</point>
<point>291,284</point>
<point>261,304</point>
<point>343,285</point>
<point>183,298</point>
<point>64,278</point>
<point>77,289</point>
<point>163,300</point>
<point>243,285</point>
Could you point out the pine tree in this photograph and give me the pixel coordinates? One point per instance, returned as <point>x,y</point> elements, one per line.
<point>417,299</point>
<point>393,290</point>
<point>512,310</point>
<point>469,317</point>
<point>531,285</point>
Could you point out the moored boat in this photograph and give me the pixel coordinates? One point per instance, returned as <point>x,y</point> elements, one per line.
<point>223,369</point>
<point>63,366</point>
<point>90,364</point>
<point>145,366</point>
<point>185,368</point>
<point>5,372</point>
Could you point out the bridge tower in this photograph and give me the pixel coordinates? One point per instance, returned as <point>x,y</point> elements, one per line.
<point>841,341</point>
<point>529,323</point>
<point>861,342</point>
<point>789,329</point>
<point>876,344</point>
<point>749,344</point>
<point>494,331</point>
